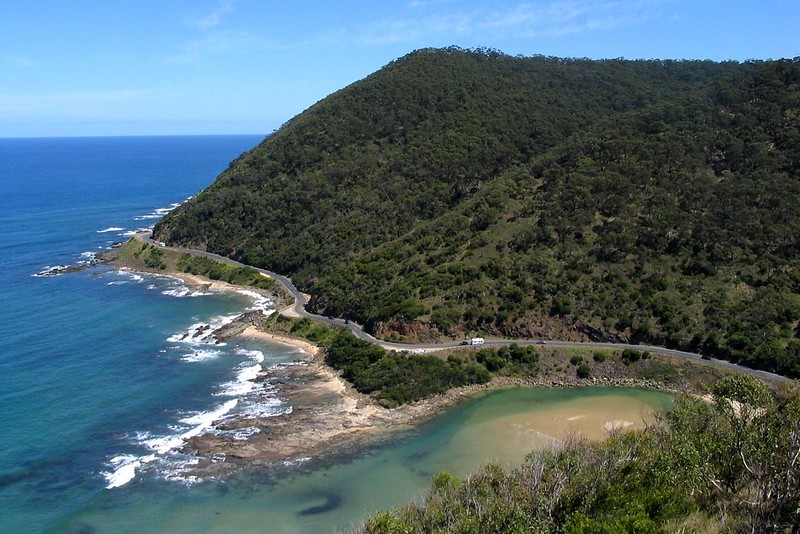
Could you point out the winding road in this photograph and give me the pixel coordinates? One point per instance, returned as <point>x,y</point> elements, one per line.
<point>300,303</point>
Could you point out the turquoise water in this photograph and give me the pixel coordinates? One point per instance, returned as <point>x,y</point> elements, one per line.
<point>98,388</point>
<point>338,493</point>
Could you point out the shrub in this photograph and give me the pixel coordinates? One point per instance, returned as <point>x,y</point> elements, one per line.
<point>398,378</point>
<point>630,356</point>
<point>583,371</point>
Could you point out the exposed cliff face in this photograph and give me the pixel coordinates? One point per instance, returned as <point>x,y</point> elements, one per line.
<point>458,191</point>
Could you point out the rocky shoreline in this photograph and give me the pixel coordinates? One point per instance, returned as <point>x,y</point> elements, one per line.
<point>328,416</point>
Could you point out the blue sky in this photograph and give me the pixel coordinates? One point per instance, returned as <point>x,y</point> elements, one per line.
<point>161,67</point>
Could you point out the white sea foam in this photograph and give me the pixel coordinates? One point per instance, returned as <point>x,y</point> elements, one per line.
<point>164,211</point>
<point>260,302</point>
<point>87,258</point>
<point>243,395</point>
<point>243,384</point>
<point>201,422</point>
<point>263,406</point>
<point>185,291</point>
<point>254,355</point>
<point>245,376</point>
<point>241,434</point>
<point>158,212</point>
<point>298,461</point>
<point>202,333</point>
<point>246,398</point>
<point>51,270</point>
<point>124,469</point>
<point>110,229</point>
<point>127,276</point>
<point>200,356</point>
<point>124,466</point>
<point>131,233</point>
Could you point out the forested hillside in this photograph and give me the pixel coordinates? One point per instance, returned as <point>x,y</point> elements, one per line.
<point>469,191</point>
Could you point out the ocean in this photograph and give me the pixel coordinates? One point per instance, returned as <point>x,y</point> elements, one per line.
<point>99,387</point>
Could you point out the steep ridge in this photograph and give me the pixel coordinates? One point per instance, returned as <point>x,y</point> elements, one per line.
<point>463,191</point>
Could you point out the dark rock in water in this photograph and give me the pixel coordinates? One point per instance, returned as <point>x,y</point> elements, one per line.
<point>63,269</point>
<point>238,325</point>
<point>332,502</point>
<point>8,478</point>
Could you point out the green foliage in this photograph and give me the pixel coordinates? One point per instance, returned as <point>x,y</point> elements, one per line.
<point>630,356</point>
<point>352,355</point>
<point>659,371</point>
<point>140,255</point>
<point>491,359</point>
<point>445,482</point>
<point>742,388</point>
<point>398,378</point>
<point>583,371</point>
<point>314,331</point>
<point>511,360</point>
<point>701,466</point>
<point>475,191</point>
<point>217,270</point>
<point>155,259</point>
<point>386,523</point>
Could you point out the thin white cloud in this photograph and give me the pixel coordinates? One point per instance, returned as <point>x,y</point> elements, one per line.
<point>215,39</point>
<point>213,19</point>
<point>217,43</point>
<point>563,17</point>
<point>426,20</point>
<point>571,17</point>
<point>18,61</point>
<point>66,102</point>
<point>422,4</point>
<point>520,20</point>
<point>406,30</point>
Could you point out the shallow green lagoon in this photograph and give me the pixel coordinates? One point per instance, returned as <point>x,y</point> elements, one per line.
<point>335,494</point>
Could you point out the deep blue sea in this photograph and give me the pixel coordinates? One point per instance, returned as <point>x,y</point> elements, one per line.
<point>98,388</point>
<point>93,380</point>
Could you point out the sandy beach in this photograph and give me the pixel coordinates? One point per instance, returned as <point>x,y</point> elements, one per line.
<point>307,347</point>
<point>208,284</point>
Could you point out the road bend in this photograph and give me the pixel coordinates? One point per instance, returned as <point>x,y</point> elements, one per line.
<point>300,303</point>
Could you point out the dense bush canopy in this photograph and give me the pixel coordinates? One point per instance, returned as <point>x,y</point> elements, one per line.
<point>456,191</point>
